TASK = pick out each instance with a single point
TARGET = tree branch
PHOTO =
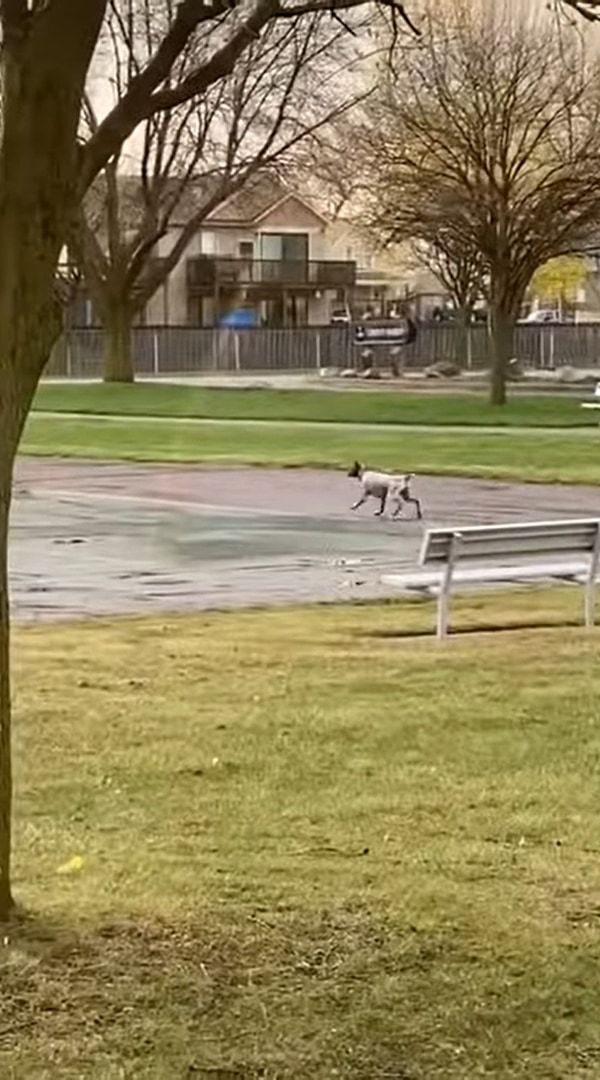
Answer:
(590, 9)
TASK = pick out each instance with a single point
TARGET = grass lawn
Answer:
(290, 844)
(526, 456)
(350, 406)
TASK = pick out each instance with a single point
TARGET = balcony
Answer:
(208, 273)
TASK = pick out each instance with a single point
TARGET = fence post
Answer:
(318, 350)
(552, 347)
(469, 348)
(236, 350)
(69, 356)
(155, 354)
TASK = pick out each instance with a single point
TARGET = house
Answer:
(264, 256)
(264, 253)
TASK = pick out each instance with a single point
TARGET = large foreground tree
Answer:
(487, 135)
(45, 170)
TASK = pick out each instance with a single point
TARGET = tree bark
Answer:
(503, 333)
(118, 354)
(44, 61)
(461, 348)
(28, 337)
(6, 900)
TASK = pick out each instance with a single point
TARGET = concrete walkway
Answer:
(90, 539)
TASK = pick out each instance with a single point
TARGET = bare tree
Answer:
(45, 171)
(489, 135)
(332, 163)
(462, 271)
(192, 157)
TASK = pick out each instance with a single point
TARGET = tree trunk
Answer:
(118, 354)
(26, 345)
(45, 58)
(461, 347)
(6, 901)
(503, 333)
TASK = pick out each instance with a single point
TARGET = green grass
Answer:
(511, 455)
(308, 848)
(350, 406)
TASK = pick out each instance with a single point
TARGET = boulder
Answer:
(444, 369)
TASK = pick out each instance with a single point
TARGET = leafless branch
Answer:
(590, 9)
(194, 155)
(486, 141)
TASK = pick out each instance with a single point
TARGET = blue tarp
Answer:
(239, 319)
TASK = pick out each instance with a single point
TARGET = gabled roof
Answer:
(255, 201)
(262, 195)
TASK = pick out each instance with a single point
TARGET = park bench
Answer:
(593, 404)
(561, 550)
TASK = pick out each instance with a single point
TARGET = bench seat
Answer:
(429, 581)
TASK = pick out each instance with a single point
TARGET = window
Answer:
(246, 248)
(284, 247)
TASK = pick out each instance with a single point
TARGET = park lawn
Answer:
(531, 456)
(345, 406)
(294, 844)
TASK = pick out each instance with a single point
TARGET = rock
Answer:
(568, 374)
(445, 369)
(370, 373)
(349, 373)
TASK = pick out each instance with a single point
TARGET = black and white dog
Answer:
(384, 486)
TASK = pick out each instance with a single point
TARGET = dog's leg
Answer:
(397, 510)
(379, 512)
(408, 498)
(359, 502)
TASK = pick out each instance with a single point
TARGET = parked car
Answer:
(546, 315)
(340, 316)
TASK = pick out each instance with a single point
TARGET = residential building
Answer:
(264, 252)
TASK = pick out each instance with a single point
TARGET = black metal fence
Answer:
(181, 350)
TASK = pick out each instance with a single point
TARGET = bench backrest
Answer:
(536, 538)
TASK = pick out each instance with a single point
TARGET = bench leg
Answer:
(444, 597)
(590, 586)
(442, 614)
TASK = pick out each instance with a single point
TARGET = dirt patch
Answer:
(214, 999)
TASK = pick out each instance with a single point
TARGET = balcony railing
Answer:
(207, 273)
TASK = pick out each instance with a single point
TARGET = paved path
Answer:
(593, 427)
(90, 538)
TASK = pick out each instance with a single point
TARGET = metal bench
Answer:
(593, 404)
(561, 550)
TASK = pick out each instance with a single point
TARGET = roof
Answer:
(255, 201)
(251, 202)
(262, 194)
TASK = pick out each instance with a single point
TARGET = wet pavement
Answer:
(93, 539)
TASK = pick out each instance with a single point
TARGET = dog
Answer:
(384, 486)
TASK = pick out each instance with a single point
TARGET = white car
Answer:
(340, 315)
(542, 315)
